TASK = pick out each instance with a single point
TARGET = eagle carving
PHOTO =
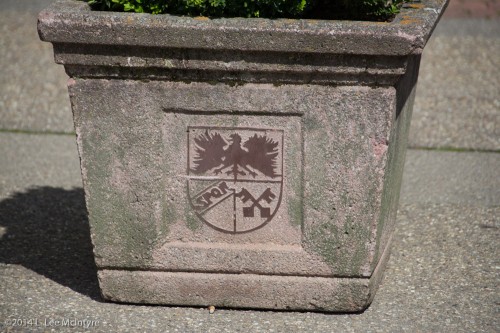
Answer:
(232, 156)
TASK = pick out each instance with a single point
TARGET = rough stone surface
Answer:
(241, 50)
(272, 167)
(243, 290)
(143, 185)
(69, 21)
(145, 171)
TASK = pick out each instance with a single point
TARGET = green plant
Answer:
(321, 9)
(370, 10)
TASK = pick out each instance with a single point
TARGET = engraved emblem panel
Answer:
(235, 176)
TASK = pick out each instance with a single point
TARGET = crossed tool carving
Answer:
(245, 196)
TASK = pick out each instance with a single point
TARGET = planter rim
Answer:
(72, 21)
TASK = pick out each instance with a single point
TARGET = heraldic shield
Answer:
(235, 176)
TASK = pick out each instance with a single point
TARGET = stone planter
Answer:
(240, 162)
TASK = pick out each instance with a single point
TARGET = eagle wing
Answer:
(262, 154)
(209, 151)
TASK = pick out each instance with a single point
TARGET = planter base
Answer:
(249, 291)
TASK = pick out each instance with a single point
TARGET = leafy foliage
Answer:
(369, 10)
(321, 9)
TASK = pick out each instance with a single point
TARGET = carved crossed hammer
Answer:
(245, 196)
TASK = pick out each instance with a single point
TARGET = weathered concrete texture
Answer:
(32, 90)
(457, 102)
(69, 21)
(143, 183)
(249, 50)
(396, 158)
(442, 275)
(233, 66)
(243, 290)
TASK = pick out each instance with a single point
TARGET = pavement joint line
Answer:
(454, 149)
(438, 149)
(34, 132)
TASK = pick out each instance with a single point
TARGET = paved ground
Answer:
(473, 8)
(444, 273)
(458, 93)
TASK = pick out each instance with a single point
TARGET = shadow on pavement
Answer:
(46, 230)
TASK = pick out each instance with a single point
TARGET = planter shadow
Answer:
(46, 230)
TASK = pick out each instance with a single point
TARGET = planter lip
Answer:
(72, 21)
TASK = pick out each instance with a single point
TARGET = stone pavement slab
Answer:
(38, 160)
(454, 178)
(473, 8)
(458, 93)
(443, 275)
(33, 94)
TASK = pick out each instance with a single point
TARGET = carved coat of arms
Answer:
(235, 176)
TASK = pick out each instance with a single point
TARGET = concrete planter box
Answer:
(240, 162)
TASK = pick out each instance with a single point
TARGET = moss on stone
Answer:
(295, 211)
